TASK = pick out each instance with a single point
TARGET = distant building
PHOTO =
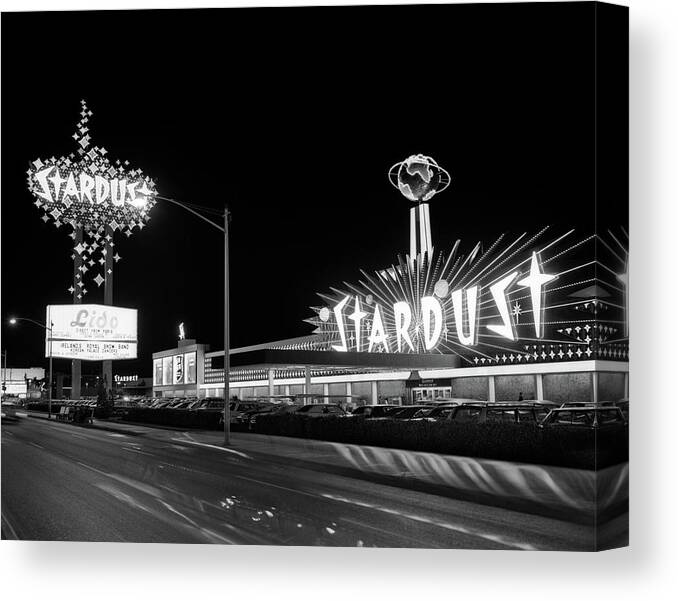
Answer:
(18, 381)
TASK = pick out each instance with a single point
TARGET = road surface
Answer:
(62, 482)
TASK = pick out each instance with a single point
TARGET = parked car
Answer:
(184, 404)
(374, 411)
(569, 404)
(210, 404)
(410, 411)
(238, 408)
(590, 416)
(249, 418)
(481, 413)
(439, 413)
(321, 410)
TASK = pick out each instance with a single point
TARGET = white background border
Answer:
(648, 570)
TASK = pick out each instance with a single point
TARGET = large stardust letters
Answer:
(132, 193)
(378, 334)
(86, 186)
(472, 295)
(431, 306)
(57, 180)
(403, 319)
(114, 189)
(71, 188)
(122, 187)
(535, 282)
(41, 178)
(101, 189)
(498, 291)
(357, 317)
(338, 315)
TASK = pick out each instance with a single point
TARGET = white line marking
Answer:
(133, 450)
(115, 435)
(205, 531)
(35, 444)
(212, 446)
(7, 527)
(448, 526)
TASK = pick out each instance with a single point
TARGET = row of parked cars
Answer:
(244, 413)
(543, 413)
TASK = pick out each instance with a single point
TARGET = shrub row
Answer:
(207, 420)
(576, 448)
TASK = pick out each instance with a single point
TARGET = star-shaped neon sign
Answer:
(535, 282)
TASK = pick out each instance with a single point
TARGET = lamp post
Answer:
(227, 338)
(47, 328)
(4, 375)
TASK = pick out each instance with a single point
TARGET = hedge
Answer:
(582, 449)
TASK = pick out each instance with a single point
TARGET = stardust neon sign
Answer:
(90, 191)
(67, 187)
(386, 314)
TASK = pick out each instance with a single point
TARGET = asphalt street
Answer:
(61, 482)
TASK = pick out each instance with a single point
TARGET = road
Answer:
(61, 482)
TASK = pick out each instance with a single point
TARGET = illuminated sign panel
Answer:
(91, 332)
(167, 365)
(175, 369)
(178, 371)
(532, 298)
(190, 368)
(157, 372)
(125, 379)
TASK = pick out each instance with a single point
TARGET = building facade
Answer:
(539, 316)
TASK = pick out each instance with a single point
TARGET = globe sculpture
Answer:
(419, 178)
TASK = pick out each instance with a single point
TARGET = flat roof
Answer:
(284, 358)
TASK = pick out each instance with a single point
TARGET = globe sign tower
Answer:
(419, 178)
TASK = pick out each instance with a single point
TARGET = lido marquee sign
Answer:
(508, 304)
(91, 332)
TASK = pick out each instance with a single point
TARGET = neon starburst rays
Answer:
(506, 304)
(88, 190)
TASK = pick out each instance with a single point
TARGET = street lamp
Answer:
(227, 339)
(47, 328)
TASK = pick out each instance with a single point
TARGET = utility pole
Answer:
(4, 375)
(227, 337)
(49, 412)
(76, 364)
(227, 334)
(107, 367)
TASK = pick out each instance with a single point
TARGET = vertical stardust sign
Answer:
(91, 332)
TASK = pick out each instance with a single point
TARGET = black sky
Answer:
(292, 117)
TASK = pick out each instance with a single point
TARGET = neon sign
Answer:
(531, 298)
(90, 191)
(404, 327)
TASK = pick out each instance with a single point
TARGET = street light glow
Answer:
(12, 321)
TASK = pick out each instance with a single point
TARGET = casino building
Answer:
(542, 315)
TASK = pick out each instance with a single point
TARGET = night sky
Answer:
(293, 117)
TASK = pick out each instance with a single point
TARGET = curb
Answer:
(88, 426)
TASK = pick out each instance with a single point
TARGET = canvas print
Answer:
(322, 276)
